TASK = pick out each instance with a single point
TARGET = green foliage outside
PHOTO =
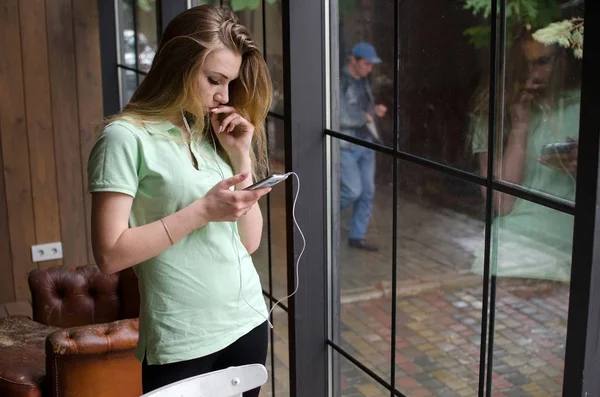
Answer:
(238, 5)
(536, 15)
(567, 34)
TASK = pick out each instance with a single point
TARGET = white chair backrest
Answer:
(230, 382)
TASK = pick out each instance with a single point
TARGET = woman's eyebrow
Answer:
(223, 75)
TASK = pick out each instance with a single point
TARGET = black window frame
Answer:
(582, 361)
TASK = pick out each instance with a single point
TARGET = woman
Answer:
(534, 242)
(167, 176)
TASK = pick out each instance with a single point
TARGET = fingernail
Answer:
(221, 129)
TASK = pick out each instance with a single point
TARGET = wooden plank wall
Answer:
(51, 96)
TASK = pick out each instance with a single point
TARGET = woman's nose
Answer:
(222, 97)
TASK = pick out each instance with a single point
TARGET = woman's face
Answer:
(540, 61)
(220, 68)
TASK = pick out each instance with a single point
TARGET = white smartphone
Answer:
(269, 181)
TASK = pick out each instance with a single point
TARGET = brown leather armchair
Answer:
(94, 353)
(91, 324)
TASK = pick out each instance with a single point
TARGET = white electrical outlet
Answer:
(46, 252)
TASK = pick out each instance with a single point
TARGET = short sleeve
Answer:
(113, 164)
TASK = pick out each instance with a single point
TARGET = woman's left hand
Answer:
(565, 163)
(234, 131)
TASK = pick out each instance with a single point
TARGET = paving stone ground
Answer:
(439, 305)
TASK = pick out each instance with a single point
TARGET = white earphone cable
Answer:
(234, 234)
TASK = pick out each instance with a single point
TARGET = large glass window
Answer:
(443, 292)
(137, 31)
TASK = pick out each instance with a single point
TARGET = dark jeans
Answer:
(249, 349)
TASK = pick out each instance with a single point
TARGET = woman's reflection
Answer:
(537, 149)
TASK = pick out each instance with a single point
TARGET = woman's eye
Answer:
(213, 81)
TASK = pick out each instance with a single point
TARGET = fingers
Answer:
(223, 109)
(231, 122)
(526, 98)
(234, 180)
(260, 192)
(560, 162)
(246, 199)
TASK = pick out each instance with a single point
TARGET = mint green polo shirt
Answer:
(534, 241)
(203, 293)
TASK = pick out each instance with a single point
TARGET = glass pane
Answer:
(276, 220)
(439, 297)
(363, 259)
(129, 83)
(440, 63)
(539, 127)
(276, 143)
(250, 13)
(147, 30)
(126, 33)
(355, 382)
(195, 3)
(366, 71)
(532, 264)
(280, 345)
(274, 53)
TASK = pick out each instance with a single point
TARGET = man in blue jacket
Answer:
(357, 119)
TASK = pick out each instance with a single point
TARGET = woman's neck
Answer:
(179, 123)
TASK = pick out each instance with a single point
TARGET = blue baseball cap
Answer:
(366, 51)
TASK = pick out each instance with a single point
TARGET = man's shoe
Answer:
(361, 244)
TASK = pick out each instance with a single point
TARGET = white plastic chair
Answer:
(230, 382)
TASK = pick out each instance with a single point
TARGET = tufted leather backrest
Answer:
(69, 297)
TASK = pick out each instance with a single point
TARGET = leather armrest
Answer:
(96, 360)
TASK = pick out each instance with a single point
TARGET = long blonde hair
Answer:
(514, 81)
(516, 75)
(171, 84)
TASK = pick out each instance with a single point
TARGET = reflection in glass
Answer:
(537, 149)
(537, 145)
(531, 312)
(439, 299)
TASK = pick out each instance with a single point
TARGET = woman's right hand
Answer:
(221, 204)
(519, 112)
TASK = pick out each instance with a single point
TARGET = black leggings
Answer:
(249, 349)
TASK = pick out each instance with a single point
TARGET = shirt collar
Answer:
(162, 127)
